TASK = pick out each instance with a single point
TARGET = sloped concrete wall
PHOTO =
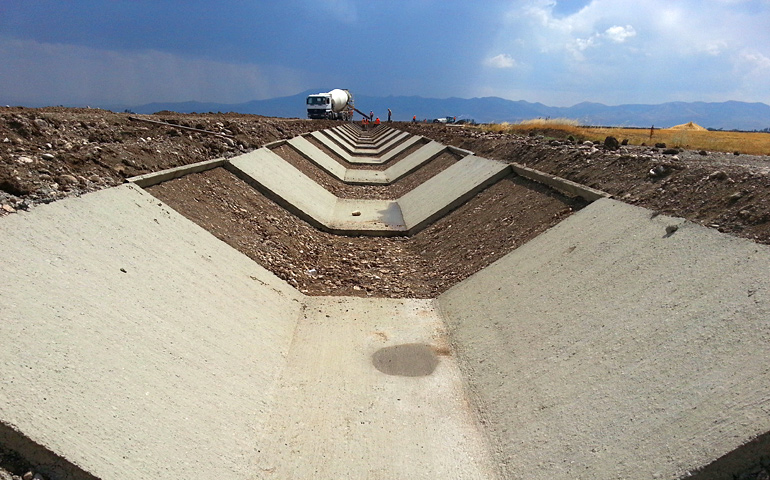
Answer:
(134, 343)
(449, 189)
(611, 347)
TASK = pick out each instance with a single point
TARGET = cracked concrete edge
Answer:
(459, 151)
(150, 179)
(561, 184)
(275, 144)
(45, 461)
(741, 459)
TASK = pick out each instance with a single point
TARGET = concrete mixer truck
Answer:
(334, 105)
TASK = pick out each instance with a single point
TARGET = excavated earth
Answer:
(52, 153)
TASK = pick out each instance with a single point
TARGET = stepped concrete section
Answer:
(295, 191)
(359, 149)
(369, 136)
(398, 170)
(358, 139)
(318, 157)
(292, 189)
(403, 167)
(346, 156)
(133, 343)
(609, 347)
(351, 139)
(357, 146)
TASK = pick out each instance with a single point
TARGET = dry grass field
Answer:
(688, 136)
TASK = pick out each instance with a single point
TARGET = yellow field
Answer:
(751, 143)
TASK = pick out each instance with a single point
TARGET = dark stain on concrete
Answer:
(406, 360)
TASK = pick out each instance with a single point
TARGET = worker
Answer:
(414, 119)
(377, 122)
(363, 123)
(389, 114)
(371, 115)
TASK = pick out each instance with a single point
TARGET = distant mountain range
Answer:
(722, 115)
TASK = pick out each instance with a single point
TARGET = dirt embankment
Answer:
(728, 192)
(51, 153)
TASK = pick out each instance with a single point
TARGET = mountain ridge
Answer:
(731, 114)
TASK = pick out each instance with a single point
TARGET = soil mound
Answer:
(689, 126)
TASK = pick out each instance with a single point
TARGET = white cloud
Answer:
(581, 44)
(343, 11)
(620, 51)
(756, 60)
(620, 34)
(36, 72)
(500, 61)
(715, 48)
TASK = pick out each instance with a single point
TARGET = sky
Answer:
(560, 53)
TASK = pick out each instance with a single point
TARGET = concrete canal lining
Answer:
(617, 344)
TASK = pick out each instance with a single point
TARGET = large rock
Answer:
(611, 143)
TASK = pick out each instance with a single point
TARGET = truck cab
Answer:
(319, 106)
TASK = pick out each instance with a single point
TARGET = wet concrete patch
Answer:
(406, 360)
